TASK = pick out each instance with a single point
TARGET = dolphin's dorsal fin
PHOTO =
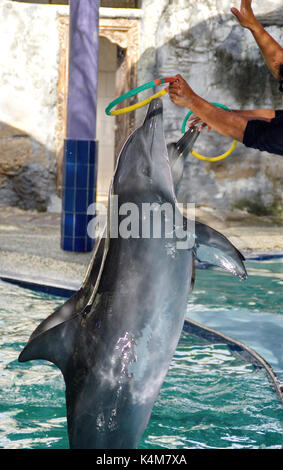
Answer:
(214, 248)
(55, 345)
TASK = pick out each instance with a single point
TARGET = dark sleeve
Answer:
(265, 136)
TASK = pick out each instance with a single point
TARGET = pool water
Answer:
(250, 311)
(211, 398)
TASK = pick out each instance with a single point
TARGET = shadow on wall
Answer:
(222, 63)
(27, 173)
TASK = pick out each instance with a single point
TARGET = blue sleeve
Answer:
(265, 136)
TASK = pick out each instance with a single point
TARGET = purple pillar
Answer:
(83, 69)
(80, 151)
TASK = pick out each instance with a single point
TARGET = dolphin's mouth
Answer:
(154, 111)
(143, 164)
(153, 122)
(154, 132)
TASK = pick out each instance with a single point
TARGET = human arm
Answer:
(261, 134)
(271, 50)
(226, 123)
(259, 114)
(262, 114)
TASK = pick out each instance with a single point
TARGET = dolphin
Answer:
(115, 353)
(177, 153)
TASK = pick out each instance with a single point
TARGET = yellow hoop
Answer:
(136, 91)
(140, 104)
(133, 107)
(215, 159)
(201, 157)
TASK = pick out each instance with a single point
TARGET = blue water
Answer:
(250, 311)
(210, 398)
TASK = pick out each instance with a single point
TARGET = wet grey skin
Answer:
(115, 353)
(177, 153)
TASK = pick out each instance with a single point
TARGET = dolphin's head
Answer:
(143, 171)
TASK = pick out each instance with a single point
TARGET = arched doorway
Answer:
(105, 125)
(119, 42)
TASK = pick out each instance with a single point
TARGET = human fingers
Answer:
(194, 122)
(238, 15)
(204, 125)
(175, 97)
(174, 87)
(246, 3)
(195, 119)
(245, 16)
(175, 78)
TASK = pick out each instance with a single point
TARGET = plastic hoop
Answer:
(135, 91)
(201, 157)
(216, 159)
(161, 93)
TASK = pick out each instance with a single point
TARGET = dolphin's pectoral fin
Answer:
(214, 248)
(54, 345)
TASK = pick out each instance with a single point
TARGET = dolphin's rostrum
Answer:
(114, 353)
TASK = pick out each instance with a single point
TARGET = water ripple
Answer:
(210, 397)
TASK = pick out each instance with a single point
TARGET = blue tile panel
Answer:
(78, 192)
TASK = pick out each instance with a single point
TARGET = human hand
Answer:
(245, 16)
(195, 121)
(180, 92)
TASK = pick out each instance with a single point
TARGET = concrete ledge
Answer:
(126, 13)
(48, 286)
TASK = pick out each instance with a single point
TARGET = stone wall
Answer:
(29, 40)
(33, 96)
(200, 40)
(222, 63)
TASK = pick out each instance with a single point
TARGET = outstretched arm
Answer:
(271, 50)
(259, 114)
(262, 114)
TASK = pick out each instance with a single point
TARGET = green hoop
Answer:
(191, 112)
(202, 157)
(134, 92)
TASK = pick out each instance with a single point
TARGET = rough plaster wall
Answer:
(222, 63)
(28, 102)
(201, 40)
(105, 126)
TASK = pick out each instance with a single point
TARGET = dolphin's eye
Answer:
(146, 171)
